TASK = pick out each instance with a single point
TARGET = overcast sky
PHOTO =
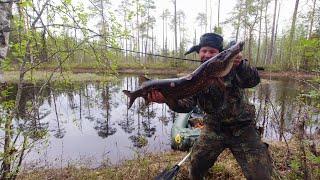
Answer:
(193, 7)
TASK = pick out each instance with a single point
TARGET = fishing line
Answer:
(151, 54)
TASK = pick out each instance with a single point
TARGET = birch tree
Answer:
(5, 18)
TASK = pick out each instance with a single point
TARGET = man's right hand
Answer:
(156, 96)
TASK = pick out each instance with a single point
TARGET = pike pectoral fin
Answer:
(131, 96)
(143, 79)
(220, 84)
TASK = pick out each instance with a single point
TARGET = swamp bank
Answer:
(97, 74)
(286, 164)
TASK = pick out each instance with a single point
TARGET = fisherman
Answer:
(229, 117)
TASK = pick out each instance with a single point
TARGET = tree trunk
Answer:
(195, 41)
(275, 35)
(250, 46)
(104, 38)
(312, 18)
(266, 35)
(210, 26)
(238, 27)
(126, 40)
(180, 39)
(292, 31)
(163, 31)
(271, 45)
(218, 13)
(137, 26)
(207, 15)
(246, 28)
(302, 152)
(259, 38)
(147, 38)
(175, 28)
(8, 146)
(5, 17)
(166, 40)
(6, 164)
(152, 43)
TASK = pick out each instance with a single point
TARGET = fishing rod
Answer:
(151, 54)
(170, 57)
(171, 173)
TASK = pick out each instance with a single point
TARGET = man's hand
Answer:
(237, 60)
(156, 96)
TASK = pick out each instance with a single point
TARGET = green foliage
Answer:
(295, 164)
(310, 54)
(312, 96)
(68, 1)
(26, 3)
(7, 103)
(217, 30)
(313, 159)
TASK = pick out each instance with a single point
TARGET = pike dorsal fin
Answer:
(143, 79)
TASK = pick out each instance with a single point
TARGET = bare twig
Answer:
(70, 26)
(39, 13)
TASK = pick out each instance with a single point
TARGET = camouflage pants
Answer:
(245, 144)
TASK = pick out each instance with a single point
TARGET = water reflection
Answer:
(92, 119)
(278, 109)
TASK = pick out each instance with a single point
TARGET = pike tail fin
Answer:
(131, 96)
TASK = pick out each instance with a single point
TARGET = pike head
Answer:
(221, 64)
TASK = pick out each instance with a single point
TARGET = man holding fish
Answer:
(229, 117)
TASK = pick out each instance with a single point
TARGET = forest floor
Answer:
(286, 166)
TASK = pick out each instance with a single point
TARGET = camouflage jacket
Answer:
(228, 106)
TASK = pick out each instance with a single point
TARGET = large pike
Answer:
(208, 73)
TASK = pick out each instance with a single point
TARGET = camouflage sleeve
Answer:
(182, 105)
(247, 76)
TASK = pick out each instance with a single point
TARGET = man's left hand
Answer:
(237, 60)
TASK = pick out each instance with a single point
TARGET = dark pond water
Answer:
(90, 122)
